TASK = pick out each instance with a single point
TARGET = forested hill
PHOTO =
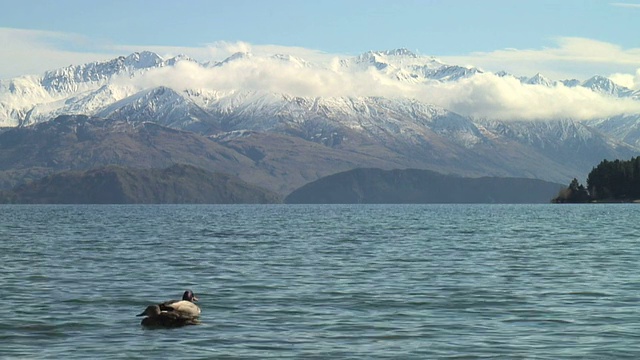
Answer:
(616, 179)
(371, 186)
(610, 181)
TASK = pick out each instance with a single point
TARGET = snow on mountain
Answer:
(598, 84)
(88, 102)
(624, 128)
(571, 82)
(538, 79)
(575, 144)
(234, 57)
(29, 99)
(386, 120)
(74, 79)
(161, 105)
(604, 85)
(89, 88)
(453, 73)
(292, 60)
(403, 65)
(176, 59)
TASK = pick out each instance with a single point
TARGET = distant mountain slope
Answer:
(375, 186)
(277, 162)
(81, 142)
(178, 184)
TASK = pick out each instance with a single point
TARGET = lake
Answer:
(323, 281)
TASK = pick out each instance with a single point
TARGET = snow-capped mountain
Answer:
(76, 89)
(92, 88)
(403, 65)
(538, 79)
(598, 84)
(603, 85)
(375, 103)
(623, 128)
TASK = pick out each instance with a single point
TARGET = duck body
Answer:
(186, 306)
(156, 318)
(183, 307)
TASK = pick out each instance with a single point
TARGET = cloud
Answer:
(481, 96)
(33, 51)
(484, 96)
(572, 57)
(626, 5)
(493, 97)
(269, 74)
(631, 81)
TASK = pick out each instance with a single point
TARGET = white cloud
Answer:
(33, 52)
(482, 96)
(265, 73)
(572, 58)
(627, 5)
(631, 81)
(493, 97)
(486, 96)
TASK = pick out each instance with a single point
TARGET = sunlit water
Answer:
(323, 282)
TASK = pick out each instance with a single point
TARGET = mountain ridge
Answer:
(20, 96)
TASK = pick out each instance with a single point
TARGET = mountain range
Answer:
(281, 121)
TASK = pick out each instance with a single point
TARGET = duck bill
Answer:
(142, 313)
(194, 298)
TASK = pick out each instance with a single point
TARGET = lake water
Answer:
(323, 282)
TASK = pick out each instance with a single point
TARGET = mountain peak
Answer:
(178, 58)
(604, 85)
(571, 82)
(539, 79)
(597, 79)
(398, 52)
(142, 60)
(401, 52)
(236, 56)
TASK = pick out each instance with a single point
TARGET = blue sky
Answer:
(560, 38)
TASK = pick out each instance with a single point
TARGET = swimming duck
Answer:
(185, 306)
(156, 318)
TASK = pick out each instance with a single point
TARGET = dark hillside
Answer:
(178, 184)
(420, 186)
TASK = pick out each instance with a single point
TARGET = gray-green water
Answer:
(323, 282)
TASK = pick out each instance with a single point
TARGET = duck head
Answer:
(189, 296)
(150, 311)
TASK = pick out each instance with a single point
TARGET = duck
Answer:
(186, 306)
(156, 318)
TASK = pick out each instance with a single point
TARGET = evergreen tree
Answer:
(615, 180)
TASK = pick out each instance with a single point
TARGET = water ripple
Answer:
(318, 282)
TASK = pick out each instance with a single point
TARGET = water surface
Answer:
(319, 282)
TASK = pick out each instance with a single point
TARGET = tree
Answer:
(574, 193)
(615, 180)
